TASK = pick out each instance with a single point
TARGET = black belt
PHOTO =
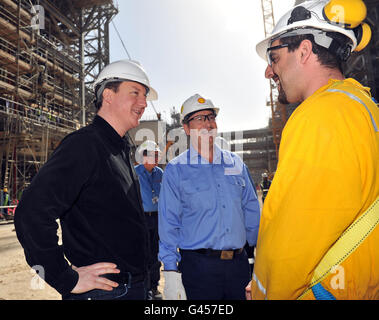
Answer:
(222, 254)
(151, 213)
(125, 277)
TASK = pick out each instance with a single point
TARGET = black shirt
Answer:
(89, 183)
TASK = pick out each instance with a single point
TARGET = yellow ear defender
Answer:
(363, 34)
(350, 14)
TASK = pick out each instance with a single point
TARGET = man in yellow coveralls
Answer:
(328, 169)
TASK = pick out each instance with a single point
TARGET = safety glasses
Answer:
(201, 118)
(268, 51)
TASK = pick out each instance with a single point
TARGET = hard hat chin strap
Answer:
(341, 49)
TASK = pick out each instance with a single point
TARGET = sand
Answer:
(17, 280)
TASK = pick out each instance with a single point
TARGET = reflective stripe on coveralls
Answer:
(361, 102)
(336, 255)
(358, 234)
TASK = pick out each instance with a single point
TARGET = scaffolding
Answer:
(50, 53)
(279, 114)
(364, 66)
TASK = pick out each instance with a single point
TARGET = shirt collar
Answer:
(219, 156)
(147, 172)
(109, 132)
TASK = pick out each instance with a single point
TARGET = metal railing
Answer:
(39, 117)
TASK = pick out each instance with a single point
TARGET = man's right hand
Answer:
(89, 277)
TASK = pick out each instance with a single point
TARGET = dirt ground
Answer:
(17, 280)
(16, 277)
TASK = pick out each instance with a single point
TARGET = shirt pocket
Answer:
(195, 186)
(236, 185)
(196, 194)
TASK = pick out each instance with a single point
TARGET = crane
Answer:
(130, 58)
(278, 110)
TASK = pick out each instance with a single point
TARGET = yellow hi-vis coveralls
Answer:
(327, 176)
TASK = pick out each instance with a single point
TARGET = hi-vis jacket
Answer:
(327, 176)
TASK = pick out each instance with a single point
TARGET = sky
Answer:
(199, 46)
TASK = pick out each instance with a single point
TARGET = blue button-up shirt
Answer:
(150, 185)
(206, 205)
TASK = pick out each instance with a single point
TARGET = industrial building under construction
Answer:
(50, 53)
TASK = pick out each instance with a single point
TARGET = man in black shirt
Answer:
(90, 185)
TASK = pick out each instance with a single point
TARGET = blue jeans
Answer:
(137, 291)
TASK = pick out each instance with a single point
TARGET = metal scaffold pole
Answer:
(49, 57)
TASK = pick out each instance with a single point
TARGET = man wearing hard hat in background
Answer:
(207, 210)
(4, 201)
(302, 250)
(265, 185)
(150, 179)
(90, 185)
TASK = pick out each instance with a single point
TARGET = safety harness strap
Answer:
(321, 293)
(350, 240)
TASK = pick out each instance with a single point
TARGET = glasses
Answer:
(201, 118)
(151, 154)
(268, 51)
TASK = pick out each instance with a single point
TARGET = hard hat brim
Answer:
(152, 95)
(262, 46)
(316, 22)
(124, 70)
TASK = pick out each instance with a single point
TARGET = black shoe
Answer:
(150, 295)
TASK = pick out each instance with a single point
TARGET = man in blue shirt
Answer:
(4, 201)
(150, 178)
(208, 210)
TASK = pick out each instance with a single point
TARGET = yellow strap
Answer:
(350, 240)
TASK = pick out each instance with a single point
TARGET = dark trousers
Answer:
(211, 278)
(136, 291)
(250, 255)
(154, 263)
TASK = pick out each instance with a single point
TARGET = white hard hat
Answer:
(124, 70)
(148, 145)
(264, 175)
(196, 103)
(320, 17)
